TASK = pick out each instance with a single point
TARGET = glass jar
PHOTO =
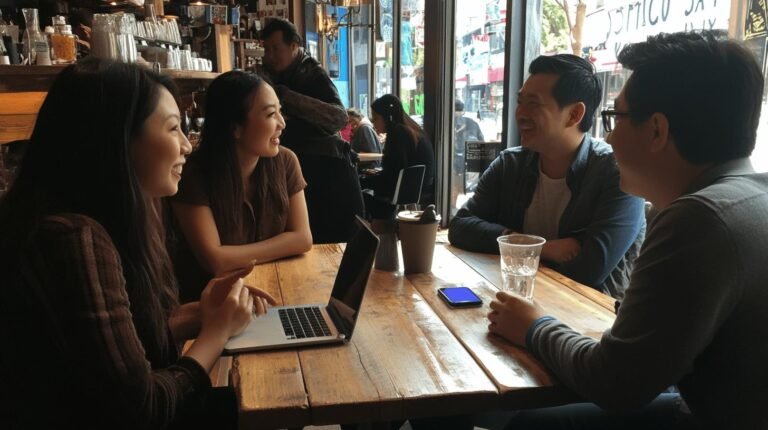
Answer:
(64, 45)
(104, 37)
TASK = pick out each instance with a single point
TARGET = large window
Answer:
(360, 48)
(412, 58)
(610, 25)
(478, 91)
(384, 70)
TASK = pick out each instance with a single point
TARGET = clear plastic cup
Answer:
(520, 255)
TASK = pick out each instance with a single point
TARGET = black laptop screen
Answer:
(352, 278)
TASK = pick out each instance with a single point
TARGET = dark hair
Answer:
(391, 110)
(709, 88)
(228, 100)
(78, 160)
(458, 106)
(289, 31)
(577, 83)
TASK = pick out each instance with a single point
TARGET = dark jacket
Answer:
(609, 224)
(313, 111)
(399, 153)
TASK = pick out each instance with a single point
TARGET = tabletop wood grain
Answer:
(488, 266)
(521, 379)
(402, 361)
(410, 355)
(270, 385)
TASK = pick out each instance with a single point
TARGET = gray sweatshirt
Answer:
(695, 313)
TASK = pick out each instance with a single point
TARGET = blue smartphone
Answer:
(459, 297)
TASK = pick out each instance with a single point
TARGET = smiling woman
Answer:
(88, 299)
(241, 198)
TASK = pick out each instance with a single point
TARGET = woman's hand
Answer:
(226, 305)
(261, 299)
(185, 321)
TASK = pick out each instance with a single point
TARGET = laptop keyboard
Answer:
(301, 323)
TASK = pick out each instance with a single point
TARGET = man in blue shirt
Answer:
(561, 184)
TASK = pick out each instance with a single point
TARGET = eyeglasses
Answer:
(609, 118)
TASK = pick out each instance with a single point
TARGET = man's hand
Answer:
(511, 316)
(561, 250)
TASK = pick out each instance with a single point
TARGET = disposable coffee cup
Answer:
(417, 240)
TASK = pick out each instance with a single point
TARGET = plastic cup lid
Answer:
(413, 216)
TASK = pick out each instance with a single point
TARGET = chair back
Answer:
(478, 156)
(408, 188)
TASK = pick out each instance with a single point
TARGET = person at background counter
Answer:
(406, 145)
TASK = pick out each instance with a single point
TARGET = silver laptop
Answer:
(301, 325)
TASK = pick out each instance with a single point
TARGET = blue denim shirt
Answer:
(609, 224)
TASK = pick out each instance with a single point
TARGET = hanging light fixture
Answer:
(330, 24)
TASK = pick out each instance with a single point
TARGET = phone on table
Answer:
(459, 297)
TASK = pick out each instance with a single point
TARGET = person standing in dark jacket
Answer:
(314, 115)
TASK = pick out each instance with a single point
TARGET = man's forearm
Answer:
(475, 234)
(328, 117)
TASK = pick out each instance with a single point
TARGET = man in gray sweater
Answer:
(694, 314)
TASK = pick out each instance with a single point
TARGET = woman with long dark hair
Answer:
(89, 316)
(406, 145)
(241, 199)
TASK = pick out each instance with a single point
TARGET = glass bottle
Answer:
(35, 42)
(64, 45)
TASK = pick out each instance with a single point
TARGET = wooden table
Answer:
(365, 157)
(411, 355)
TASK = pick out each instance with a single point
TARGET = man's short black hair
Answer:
(289, 31)
(709, 88)
(577, 83)
(458, 106)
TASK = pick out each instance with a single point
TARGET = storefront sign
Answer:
(627, 21)
(757, 15)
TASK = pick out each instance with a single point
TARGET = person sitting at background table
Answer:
(89, 316)
(364, 137)
(406, 145)
(241, 198)
(560, 184)
(694, 313)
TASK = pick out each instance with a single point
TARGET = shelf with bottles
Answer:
(17, 78)
(249, 54)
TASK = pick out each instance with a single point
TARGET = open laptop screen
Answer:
(351, 280)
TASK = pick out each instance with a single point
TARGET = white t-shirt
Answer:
(542, 218)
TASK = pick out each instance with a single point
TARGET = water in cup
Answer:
(519, 262)
(518, 275)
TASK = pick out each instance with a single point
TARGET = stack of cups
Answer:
(519, 262)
